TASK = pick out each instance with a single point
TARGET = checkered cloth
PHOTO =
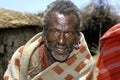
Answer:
(109, 60)
(79, 65)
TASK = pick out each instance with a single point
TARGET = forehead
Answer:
(56, 17)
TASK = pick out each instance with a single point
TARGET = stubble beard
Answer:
(55, 55)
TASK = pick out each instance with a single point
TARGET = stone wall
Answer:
(10, 40)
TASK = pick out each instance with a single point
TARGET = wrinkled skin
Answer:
(60, 36)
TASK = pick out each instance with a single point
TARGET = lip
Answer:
(60, 51)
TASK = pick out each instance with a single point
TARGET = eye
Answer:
(68, 34)
(55, 32)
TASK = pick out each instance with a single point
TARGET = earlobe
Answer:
(76, 46)
(44, 33)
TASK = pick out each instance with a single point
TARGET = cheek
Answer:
(71, 40)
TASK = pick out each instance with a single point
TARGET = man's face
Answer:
(61, 35)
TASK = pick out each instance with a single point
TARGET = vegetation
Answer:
(97, 17)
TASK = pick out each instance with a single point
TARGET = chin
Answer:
(60, 58)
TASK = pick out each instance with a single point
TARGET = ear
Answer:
(78, 39)
(43, 34)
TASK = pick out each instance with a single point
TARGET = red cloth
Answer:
(43, 57)
(108, 62)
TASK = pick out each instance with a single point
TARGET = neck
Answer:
(50, 59)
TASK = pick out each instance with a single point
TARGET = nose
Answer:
(61, 39)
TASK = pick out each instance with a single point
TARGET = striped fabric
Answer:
(109, 60)
(79, 66)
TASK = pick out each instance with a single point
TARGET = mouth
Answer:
(60, 51)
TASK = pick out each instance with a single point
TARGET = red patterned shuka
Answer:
(109, 59)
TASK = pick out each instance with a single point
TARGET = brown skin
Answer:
(61, 36)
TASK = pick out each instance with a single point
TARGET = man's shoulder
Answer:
(34, 38)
